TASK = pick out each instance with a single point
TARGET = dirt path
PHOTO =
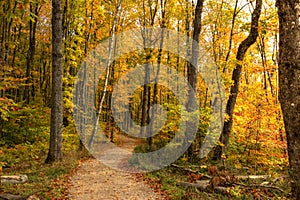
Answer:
(95, 181)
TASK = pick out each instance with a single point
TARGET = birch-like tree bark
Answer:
(110, 53)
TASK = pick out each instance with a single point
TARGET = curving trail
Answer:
(95, 181)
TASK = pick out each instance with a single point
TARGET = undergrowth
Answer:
(167, 180)
(26, 155)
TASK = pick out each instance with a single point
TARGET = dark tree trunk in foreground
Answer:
(289, 83)
(243, 47)
(55, 149)
(193, 65)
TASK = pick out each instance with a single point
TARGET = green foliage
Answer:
(26, 125)
(6, 107)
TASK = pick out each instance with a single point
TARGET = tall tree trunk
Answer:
(243, 47)
(6, 38)
(155, 89)
(193, 65)
(146, 88)
(55, 150)
(31, 50)
(110, 119)
(83, 85)
(145, 97)
(289, 83)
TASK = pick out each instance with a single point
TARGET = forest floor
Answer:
(95, 181)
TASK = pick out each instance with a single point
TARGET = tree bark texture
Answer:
(193, 65)
(55, 150)
(289, 83)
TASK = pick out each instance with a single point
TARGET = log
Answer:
(15, 179)
(254, 177)
(201, 185)
(190, 170)
(221, 190)
(7, 196)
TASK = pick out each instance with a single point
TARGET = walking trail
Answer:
(95, 181)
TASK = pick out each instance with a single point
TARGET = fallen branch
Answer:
(261, 186)
(6, 196)
(279, 178)
(16, 179)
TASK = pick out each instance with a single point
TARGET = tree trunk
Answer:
(111, 43)
(243, 47)
(235, 13)
(159, 58)
(55, 150)
(193, 65)
(146, 88)
(289, 83)
(31, 50)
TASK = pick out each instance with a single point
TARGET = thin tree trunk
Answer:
(146, 92)
(235, 12)
(6, 39)
(243, 47)
(145, 99)
(82, 123)
(163, 12)
(111, 42)
(109, 98)
(31, 50)
(262, 51)
(188, 34)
